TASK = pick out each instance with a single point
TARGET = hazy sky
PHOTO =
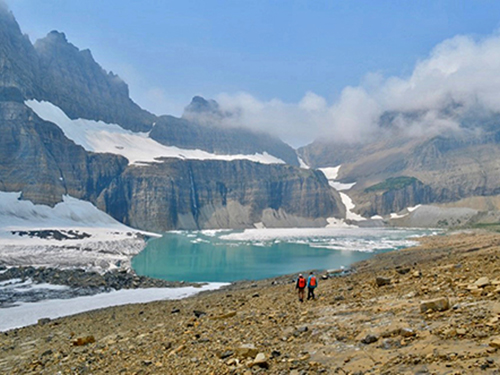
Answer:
(297, 66)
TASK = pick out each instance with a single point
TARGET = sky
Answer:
(299, 69)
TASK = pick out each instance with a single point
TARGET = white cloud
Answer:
(459, 75)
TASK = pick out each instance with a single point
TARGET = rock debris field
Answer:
(432, 309)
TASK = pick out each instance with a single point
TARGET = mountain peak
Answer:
(57, 36)
(200, 105)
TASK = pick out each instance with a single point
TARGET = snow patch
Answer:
(138, 148)
(331, 174)
(349, 205)
(302, 163)
(29, 313)
(411, 209)
(98, 241)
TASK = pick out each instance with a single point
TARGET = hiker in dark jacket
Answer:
(301, 286)
(312, 283)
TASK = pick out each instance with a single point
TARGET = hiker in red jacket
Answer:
(312, 283)
(301, 286)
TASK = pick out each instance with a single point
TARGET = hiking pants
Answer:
(310, 293)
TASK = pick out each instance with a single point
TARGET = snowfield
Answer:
(98, 136)
(29, 313)
(94, 239)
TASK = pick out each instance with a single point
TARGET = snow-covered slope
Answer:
(31, 235)
(331, 174)
(98, 136)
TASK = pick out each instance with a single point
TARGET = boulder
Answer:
(482, 282)
(369, 339)
(246, 351)
(84, 341)
(381, 281)
(495, 343)
(261, 361)
(437, 304)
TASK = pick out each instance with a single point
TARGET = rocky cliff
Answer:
(194, 194)
(37, 158)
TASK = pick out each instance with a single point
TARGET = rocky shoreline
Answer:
(432, 309)
(79, 282)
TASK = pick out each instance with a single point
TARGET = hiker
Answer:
(312, 283)
(301, 286)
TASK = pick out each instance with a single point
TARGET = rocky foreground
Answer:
(433, 309)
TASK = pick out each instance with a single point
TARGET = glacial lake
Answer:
(252, 254)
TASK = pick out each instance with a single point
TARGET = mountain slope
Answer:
(67, 127)
(448, 167)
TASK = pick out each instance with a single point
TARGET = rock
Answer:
(369, 339)
(226, 354)
(47, 352)
(407, 332)
(461, 331)
(275, 353)
(381, 281)
(482, 282)
(417, 274)
(246, 351)
(261, 361)
(225, 316)
(177, 350)
(199, 313)
(43, 321)
(437, 304)
(403, 270)
(84, 341)
(495, 343)
(175, 311)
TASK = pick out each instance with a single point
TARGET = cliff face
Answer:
(37, 159)
(451, 167)
(384, 199)
(73, 81)
(179, 194)
(19, 65)
(184, 133)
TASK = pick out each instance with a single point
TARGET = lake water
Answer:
(225, 256)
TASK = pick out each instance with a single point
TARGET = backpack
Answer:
(302, 282)
(312, 282)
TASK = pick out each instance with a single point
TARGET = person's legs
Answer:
(310, 293)
(301, 294)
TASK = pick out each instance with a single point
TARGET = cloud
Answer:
(460, 75)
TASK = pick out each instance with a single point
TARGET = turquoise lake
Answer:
(226, 256)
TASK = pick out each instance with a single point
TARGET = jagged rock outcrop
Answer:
(74, 82)
(37, 159)
(195, 194)
(19, 65)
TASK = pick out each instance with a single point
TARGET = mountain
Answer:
(202, 127)
(68, 127)
(452, 168)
